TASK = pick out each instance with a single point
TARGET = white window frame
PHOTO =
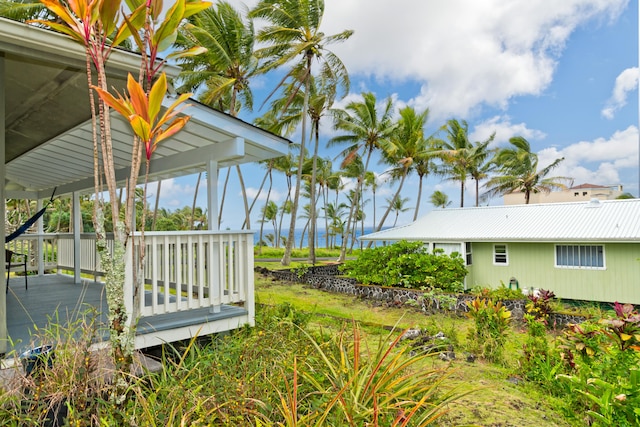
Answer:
(468, 256)
(577, 256)
(506, 254)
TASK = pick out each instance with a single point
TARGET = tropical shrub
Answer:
(501, 293)
(409, 265)
(491, 326)
(539, 305)
(538, 363)
(603, 359)
(353, 385)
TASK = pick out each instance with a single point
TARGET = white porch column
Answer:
(3, 297)
(40, 231)
(212, 194)
(77, 221)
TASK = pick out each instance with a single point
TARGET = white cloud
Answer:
(601, 161)
(504, 130)
(492, 52)
(626, 82)
(275, 196)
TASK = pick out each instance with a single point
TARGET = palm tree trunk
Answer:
(264, 179)
(312, 200)
(155, 208)
(345, 235)
(415, 214)
(286, 258)
(264, 213)
(461, 193)
(224, 195)
(386, 214)
(193, 205)
(247, 220)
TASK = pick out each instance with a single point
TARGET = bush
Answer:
(491, 325)
(407, 264)
(501, 293)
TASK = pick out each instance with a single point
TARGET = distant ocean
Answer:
(320, 239)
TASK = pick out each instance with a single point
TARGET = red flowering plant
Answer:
(624, 329)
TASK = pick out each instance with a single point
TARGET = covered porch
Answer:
(196, 282)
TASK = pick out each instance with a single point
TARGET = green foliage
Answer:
(302, 270)
(350, 384)
(539, 305)
(409, 265)
(436, 300)
(491, 325)
(624, 329)
(602, 367)
(538, 363)
(501, 293)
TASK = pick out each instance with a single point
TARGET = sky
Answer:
(562, 74)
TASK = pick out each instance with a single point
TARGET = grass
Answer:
(302, 347)
(498, 397)
(277, 253)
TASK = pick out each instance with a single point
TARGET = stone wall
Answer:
(328, 278)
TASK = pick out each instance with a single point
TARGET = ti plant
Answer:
(624, 329)
(539, 305)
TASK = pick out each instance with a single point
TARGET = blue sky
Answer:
(562, 74)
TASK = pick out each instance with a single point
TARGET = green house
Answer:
(581, 251)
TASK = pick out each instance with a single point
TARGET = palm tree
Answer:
(457, 153)
(324, 175)
(397, 205)
(407, 144)
(24, 10)
(293, 29)
(518, 168)
(269, 214)
(224, 70)
(440, 199)
(365, 130)
(371, 181)
(480, 165)
(353, 169)
(335, 213)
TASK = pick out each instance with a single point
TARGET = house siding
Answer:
(533, 265)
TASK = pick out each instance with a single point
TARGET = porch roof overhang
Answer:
(48, 131)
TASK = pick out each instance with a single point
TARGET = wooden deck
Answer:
(55, 299)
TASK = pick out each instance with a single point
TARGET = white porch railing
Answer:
(39, 248)
(190, 270)
(183, 270)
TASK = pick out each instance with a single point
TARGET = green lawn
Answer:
(498, 399)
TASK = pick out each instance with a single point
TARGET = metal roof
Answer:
(596, 220)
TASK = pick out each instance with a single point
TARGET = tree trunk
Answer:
(286, 258)
(247, 218)
(193, 205)
(224, 195)
(312, 200)
(155, 209)
(415, 214)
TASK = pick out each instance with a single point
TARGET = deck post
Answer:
(40, 231)
(3, 297)
(212, 224)
(212, 194)
(77, 221)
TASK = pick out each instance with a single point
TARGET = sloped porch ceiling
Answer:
(66, 161)
(48, 129)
